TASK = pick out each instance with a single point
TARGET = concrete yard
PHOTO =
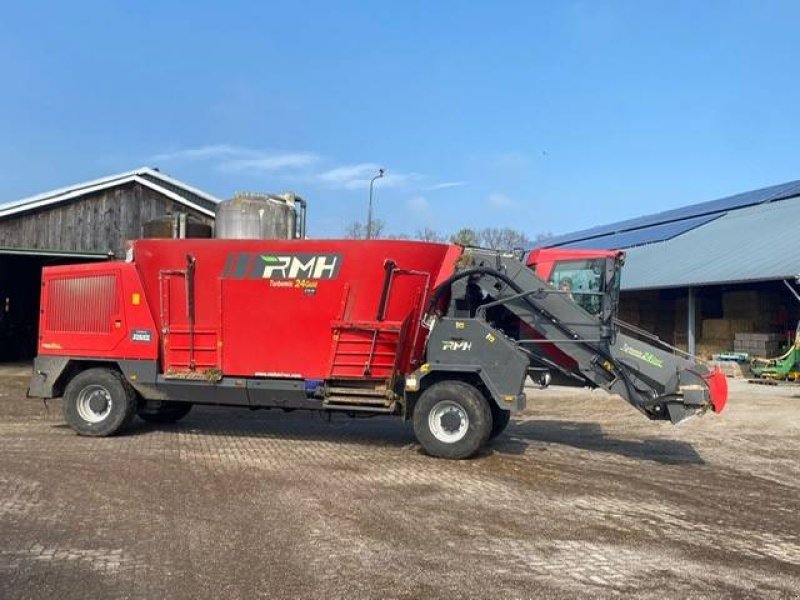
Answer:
(582, 496)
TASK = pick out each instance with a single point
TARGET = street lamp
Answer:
(369, 212)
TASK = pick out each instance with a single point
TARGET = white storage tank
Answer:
(252, 216)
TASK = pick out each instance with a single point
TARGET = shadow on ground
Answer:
(590, 436)
(298, 425)
(393, 432)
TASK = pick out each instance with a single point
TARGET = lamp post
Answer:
(369, 211)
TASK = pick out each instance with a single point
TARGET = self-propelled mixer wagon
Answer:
(438, 334)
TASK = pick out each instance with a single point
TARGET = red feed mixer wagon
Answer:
(442, 335)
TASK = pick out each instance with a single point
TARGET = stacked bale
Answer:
(747, 316)
(764, 345)
(749, 305)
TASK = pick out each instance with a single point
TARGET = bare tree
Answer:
(358, 230)
(513, 240)
(505, 239)
(497, 238)
(491, 237)
(429, 235)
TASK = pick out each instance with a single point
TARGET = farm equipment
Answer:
(784, 367)
(440, 335)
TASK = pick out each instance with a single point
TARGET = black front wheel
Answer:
(452, 419)
(99, 402)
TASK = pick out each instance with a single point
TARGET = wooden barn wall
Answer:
(99, 222)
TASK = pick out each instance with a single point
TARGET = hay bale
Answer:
(717, 329)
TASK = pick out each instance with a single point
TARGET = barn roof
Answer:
(146, 176)
(747, 237)
(668, 224)
(754, 243)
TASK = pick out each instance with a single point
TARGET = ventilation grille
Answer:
(82, 304)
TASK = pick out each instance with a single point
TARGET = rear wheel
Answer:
(168, 412)
(99, 402)
(452, 420)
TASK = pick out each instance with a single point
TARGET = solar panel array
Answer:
(658, 226)
(639, 237)
(719, 252)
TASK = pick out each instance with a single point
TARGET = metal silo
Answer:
(261, 216)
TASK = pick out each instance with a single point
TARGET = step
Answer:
(357, 401)
(352, 408)
(378, 392)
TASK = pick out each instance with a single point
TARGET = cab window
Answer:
(582, 281)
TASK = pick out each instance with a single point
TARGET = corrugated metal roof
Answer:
(713, 207)
(152, 178)
(757, 243)
(639, 237)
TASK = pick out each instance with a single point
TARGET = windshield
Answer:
(582, 281)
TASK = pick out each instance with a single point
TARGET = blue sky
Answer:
(539, 116)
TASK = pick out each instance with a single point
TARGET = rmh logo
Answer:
(455, 346)
(301, 266)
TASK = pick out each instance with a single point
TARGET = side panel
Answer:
(96, 310)
(469, 345)
(185, 347)
(276, 331)
(279, 305)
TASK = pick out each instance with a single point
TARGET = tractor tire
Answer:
(452, 419)
(99, 402)
(500, 420)
(168, 412)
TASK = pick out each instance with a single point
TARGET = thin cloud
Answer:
(272, 162)
(447, 184)
(210, 152)
(232, 158)
(344, 176)
(358, 176)
(229, 157)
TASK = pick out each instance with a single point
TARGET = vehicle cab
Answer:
(591, 278)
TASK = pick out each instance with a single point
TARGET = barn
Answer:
(713, 277)
(79, 223)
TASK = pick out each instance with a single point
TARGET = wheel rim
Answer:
(94, 403)
(448, 421)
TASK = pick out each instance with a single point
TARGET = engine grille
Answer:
(82, 304)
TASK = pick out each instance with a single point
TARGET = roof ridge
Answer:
(76, 190)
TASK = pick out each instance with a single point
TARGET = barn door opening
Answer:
(20, 297)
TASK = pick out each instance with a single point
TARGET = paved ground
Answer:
(582, 496)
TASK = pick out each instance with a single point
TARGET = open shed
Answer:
(710, 277)
(82, 222)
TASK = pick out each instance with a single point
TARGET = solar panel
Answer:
(768, 194)
(639, 237)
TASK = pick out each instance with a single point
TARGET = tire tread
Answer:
(472, 401)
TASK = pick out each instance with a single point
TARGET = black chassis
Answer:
(50, 374)
(459, 347)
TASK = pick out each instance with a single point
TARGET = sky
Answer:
(541, 116)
